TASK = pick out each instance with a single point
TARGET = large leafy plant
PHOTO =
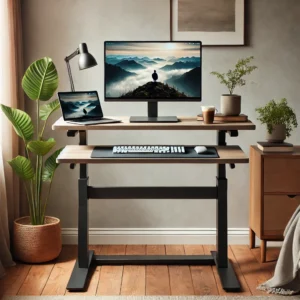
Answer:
(235, 78)
(39, 83)
(277, 113)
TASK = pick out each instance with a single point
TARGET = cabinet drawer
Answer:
(282, 175)
(278, 210)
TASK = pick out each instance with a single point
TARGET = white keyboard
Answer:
(148, 149)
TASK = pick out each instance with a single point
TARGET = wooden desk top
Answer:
(186, 123)
(82, 155)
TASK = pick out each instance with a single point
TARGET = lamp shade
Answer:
(86, 60)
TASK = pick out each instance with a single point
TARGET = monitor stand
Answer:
(152, 116)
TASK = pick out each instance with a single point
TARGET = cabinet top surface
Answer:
(294, 154)
(186, 123)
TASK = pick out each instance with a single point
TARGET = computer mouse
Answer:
(200, 149)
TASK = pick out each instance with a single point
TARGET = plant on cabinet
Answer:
(279, 118)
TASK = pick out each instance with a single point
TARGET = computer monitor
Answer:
(153, 72)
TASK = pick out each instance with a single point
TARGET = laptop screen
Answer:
(80, 105)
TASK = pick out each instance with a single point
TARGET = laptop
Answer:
(82, 108)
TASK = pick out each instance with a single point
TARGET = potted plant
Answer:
(279, 118)
(231, 103)
(37, 238)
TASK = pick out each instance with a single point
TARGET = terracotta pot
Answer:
(37, 243)
(230, 105)
(278, 134)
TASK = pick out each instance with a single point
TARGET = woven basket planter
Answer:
(37, 243)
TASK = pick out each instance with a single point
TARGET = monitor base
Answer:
(168, 119)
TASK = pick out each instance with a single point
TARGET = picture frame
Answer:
(223, 24)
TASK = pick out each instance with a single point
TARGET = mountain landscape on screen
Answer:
(130, 65)
(87, 106)
(155, 70)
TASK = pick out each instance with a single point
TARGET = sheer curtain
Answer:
(10, 94)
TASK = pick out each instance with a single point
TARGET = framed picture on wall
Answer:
(214, 22)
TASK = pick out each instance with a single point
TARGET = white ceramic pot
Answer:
(278, 134)
(230, 105)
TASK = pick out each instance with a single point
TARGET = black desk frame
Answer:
(86, 257)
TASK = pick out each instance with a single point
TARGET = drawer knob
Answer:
(292, 196)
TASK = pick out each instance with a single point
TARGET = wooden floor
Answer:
(52, 278)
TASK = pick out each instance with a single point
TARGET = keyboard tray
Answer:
(106, 152)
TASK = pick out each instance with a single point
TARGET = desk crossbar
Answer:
(152, 192)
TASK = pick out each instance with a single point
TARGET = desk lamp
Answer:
(86, 60)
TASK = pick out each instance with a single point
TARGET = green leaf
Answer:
(50, 166)
(21, 122)
(47, 109)
(234, 78)
(40, 80)
(41, 147)
(22, 167)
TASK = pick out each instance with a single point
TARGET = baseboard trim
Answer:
(158, 236)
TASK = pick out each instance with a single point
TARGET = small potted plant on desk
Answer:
(37, 238)
(279, 118)
(231, 103)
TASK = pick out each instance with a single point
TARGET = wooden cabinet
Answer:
(274, 194)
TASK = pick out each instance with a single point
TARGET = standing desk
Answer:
(81, 154)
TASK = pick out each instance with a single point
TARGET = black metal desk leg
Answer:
(222, 243)
(226, 272)
(83, 234)
(80, 272)
(222, 240)
(79, 275)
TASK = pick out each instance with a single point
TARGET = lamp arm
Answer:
(67, 60)
(70, 76)
(69, 57)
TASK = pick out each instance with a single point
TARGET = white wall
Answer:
(55, 27)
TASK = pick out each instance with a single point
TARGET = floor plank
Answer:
(104, 250)
(134, 277)
(13, 280)
(272, 256)
(156, 250)
(253, 272)
(203, 277)
(175, 250)
(116, 250)
(193, 250)
(157, 277)
(111, 276)
(180, 276)
(135, 249)
(60, 275)
(36, 279)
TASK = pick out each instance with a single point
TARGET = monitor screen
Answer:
(162, 71)
(80, 105)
